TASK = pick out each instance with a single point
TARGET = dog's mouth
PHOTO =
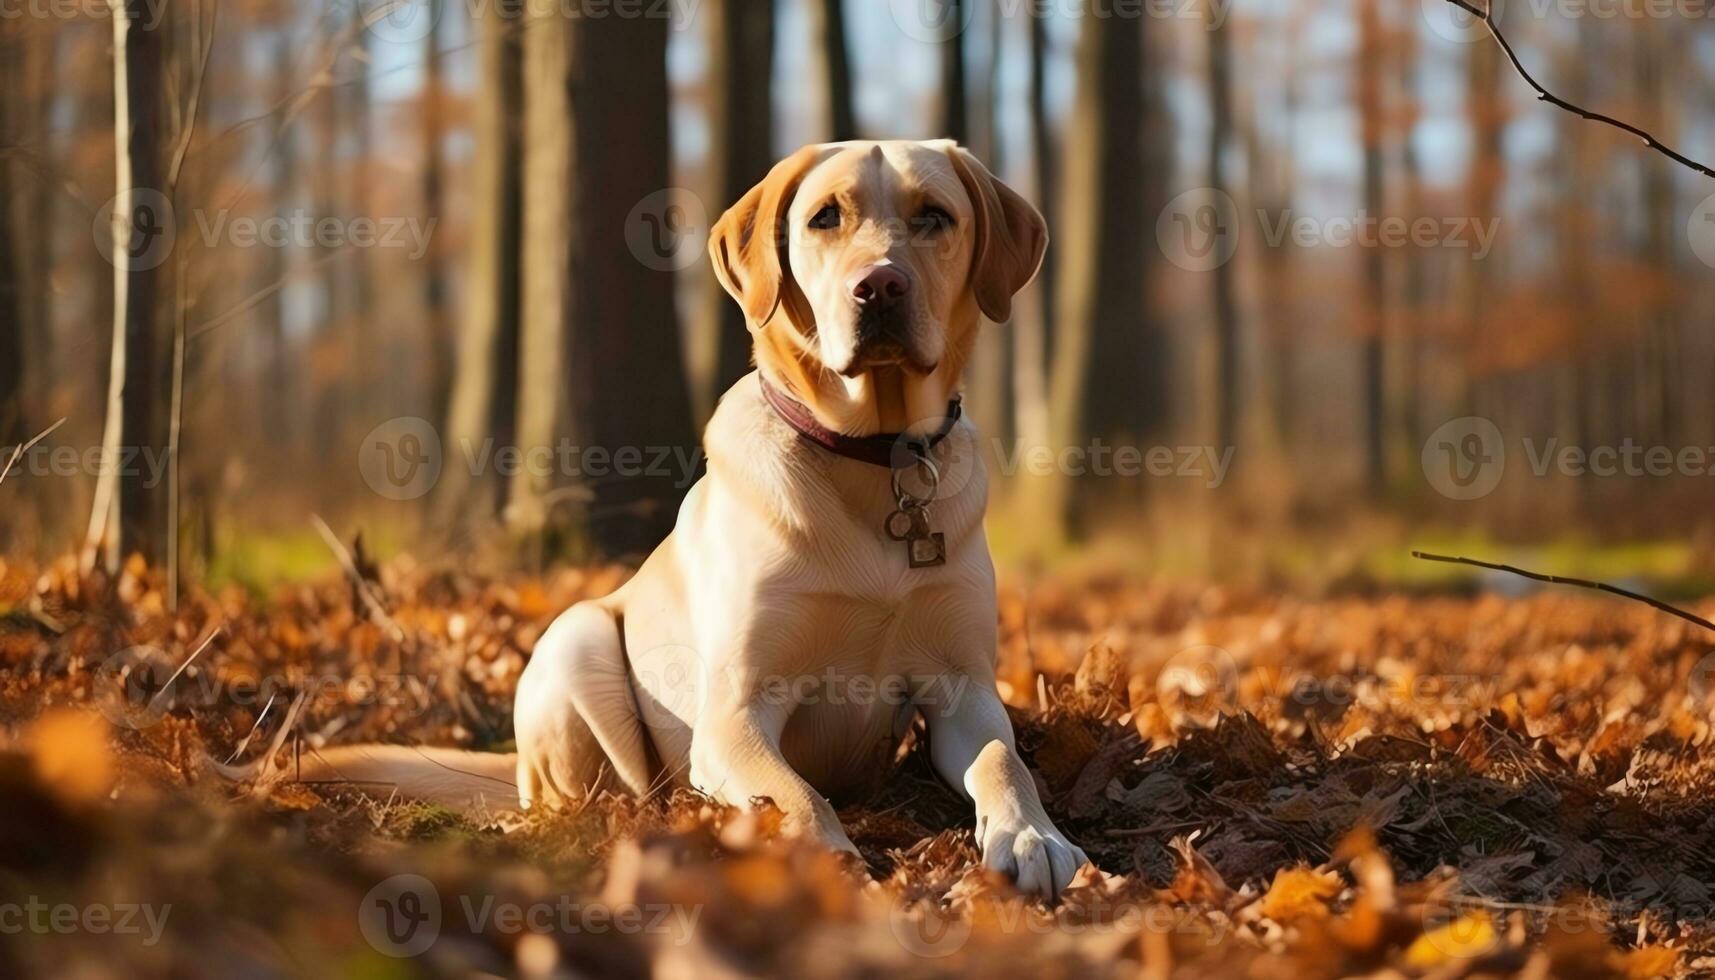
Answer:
(886, 354)
(876, 354)
(881, 344)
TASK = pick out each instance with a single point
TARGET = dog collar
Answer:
(895, 450)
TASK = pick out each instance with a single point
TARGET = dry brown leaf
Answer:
(1300, 893)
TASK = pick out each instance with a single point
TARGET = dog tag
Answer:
(928, 551)
(923, 548)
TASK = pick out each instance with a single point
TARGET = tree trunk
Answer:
(551, 128)
(1226, 320)
(1374, 354)
(626, 325)
(954, 124)
(1047, 161)
(12, 286)
(829, 31)
(1106, 364)
(127, 515)
(1270, 171)
(279, 410)
(1486, 113)
(1654, 55)
(1030, 319)
(988, 375)
(741, 71)
(369, 342)
(1408, 411)
(437, 326)
(482, 399)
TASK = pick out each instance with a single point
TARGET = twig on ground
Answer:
(197, 652)
(262, 767)
(377, 611)
(1544, 95)
(244, 742)
(1581, 583)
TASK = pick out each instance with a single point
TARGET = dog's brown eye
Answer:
(828, 217)
(934, 218)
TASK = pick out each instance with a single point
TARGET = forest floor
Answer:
(1373, 784)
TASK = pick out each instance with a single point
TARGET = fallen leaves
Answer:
(1300, 893)
(1270, 787)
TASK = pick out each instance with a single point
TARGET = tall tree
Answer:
(741, 76)
(1030, 320)
(482, 400)
(1105, 379)
(1373, 369)
(834, 66)
(12, 286)
(1407, 413)
(1655, 56)
(441, 339)
(1271, 174)
(1486, 111)
(128, 516)
(278, 414)
(988, 375)
(353, 117)
(625, 324)
(954, 123)
(1225, 328)
(552, 126)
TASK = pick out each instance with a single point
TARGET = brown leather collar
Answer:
(893, 450)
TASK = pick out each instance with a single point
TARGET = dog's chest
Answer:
(853, 668)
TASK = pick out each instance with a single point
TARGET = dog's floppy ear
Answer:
(748, 244)
(1009, 240)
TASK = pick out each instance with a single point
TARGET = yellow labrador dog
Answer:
(828, 580)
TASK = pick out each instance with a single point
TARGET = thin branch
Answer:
(1544, 95)
(1564, 580)
(19, 452)
(377, 611)
(190, 126)
(255, 299)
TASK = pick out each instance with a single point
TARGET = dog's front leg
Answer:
(971, 744)
(736, 758)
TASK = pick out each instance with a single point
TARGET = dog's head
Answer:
(864, 269)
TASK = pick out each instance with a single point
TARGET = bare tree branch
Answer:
(23, 448)
(189, 128)
(1564, 580)
(1544, 95)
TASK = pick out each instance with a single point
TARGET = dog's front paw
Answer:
(1033, 853)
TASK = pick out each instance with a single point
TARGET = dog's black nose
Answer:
(878, 285)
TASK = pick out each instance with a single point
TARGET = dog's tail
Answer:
(455, 778)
